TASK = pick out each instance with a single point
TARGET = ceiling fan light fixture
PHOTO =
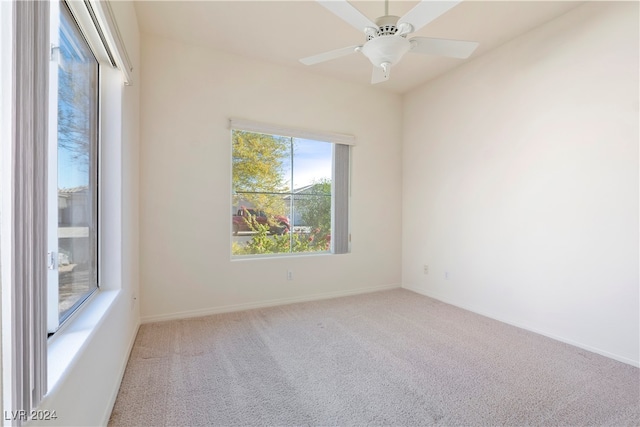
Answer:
(389, 49)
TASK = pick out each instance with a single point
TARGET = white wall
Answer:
(188, 95)
(86, 392)
(521, 180)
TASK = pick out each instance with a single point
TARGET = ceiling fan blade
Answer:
(380, 75)
(451, 48)
(326, 56)
(352, 16)
(425, 12)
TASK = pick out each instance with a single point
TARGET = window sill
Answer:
(280, 255)
(66, 344)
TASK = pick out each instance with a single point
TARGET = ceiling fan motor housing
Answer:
(386, 26)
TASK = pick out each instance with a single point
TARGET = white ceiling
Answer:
(282, 32)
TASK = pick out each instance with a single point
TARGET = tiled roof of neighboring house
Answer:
(72, 189)
(303, 189)
(306, 190)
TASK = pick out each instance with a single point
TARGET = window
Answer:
(289, 193)
(49, 153)
(73, 169)
(73, 206)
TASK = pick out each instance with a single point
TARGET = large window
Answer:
(65, 66)
(73, 169)
(288, 195)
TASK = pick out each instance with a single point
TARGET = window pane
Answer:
(312, 220)
(281, 194)
(261, 163)
(261, 177)
(312, 162)
(258, 231)
(311, 201)
(77, 167)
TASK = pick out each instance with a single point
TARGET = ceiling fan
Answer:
(386, 39)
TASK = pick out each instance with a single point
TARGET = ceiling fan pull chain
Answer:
(386, 67)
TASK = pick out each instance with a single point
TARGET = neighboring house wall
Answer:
(186, 103)
(521, 181)
(298, 195)
(73, 206)
(73, 220)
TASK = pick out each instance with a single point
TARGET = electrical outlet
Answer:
(447, 275)
(426, 269)
(289, 275)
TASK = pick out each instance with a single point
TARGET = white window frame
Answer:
(340, 182)
(53, 316)
(97, 24)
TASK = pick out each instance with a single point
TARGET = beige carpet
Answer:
(386, 358)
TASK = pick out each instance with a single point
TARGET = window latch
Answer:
(51, 261)
(54, 53)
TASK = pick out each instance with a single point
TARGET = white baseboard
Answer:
(123, 366)
(523, 326)
(262, 304)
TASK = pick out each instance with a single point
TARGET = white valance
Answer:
(114, 40)
(100, 28)
(251, 126)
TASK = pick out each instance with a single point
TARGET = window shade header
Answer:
(98, 23)
(251, 126)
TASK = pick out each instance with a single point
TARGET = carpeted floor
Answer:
(386, 358)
